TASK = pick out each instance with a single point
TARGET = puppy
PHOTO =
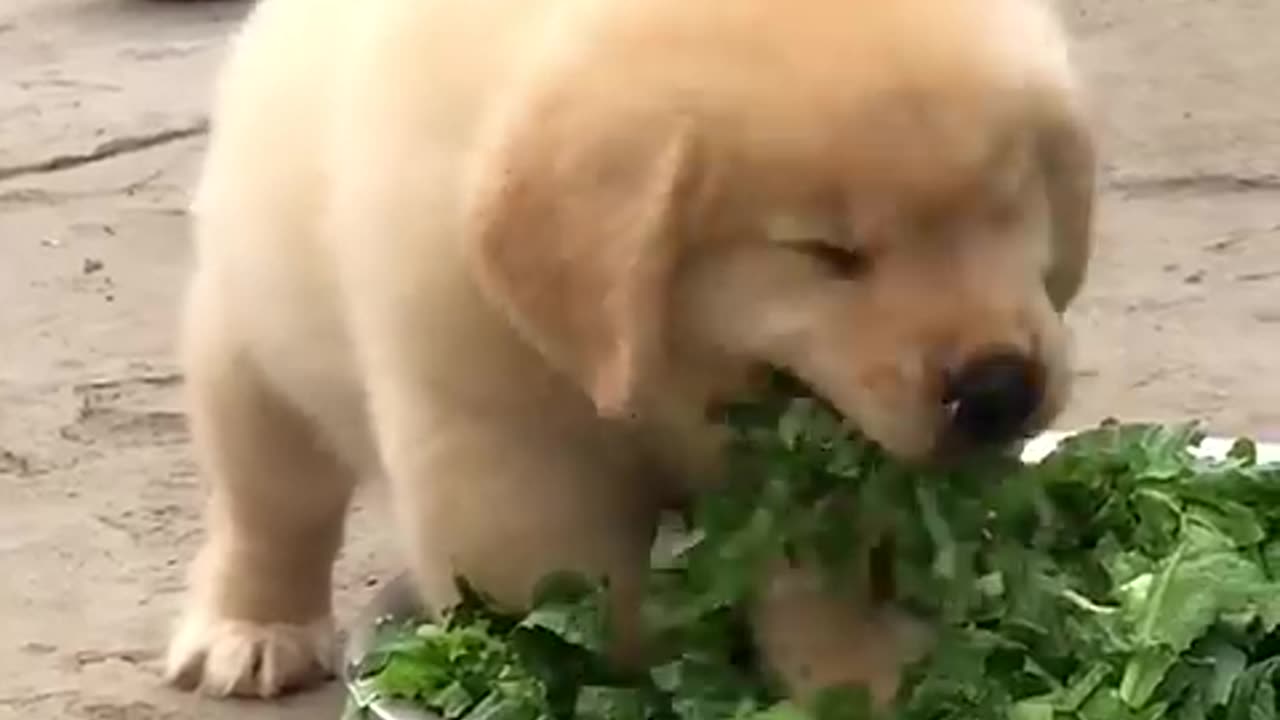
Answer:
(506, 253)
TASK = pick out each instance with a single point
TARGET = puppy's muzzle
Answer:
(993, 398)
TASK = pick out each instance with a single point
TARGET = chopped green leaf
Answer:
(1121, 578)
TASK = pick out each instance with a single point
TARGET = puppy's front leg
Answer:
(258, 621)
(504, 500)
(814, 638)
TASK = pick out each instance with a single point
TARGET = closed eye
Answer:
(842, 261)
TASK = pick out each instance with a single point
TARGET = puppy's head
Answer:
(896, 210)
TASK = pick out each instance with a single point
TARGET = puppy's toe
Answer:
(223, 658)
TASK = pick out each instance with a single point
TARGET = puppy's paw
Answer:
(222, 657)
(814, 639)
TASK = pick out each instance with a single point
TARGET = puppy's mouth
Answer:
(952, 448)
(761, 381)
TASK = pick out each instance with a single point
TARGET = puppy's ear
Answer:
(1067, 153)
(575, 221)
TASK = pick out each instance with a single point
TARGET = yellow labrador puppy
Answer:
(506, 253)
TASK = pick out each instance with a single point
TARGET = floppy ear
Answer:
(574, 225)
(1068, 160)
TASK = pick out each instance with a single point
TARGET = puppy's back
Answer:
(320, 104)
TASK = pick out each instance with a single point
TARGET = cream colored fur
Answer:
(506, 252)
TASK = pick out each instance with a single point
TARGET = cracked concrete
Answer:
(102, 104)
(1132, 185)
(105, 150)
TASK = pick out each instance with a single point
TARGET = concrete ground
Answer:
(102, 106)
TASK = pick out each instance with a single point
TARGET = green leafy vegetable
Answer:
(1121, 578)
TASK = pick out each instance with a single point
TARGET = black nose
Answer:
(993, 397)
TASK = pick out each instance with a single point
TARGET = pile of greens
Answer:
(1120, 578)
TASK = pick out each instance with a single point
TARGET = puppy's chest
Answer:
(683, 431)
(687, 455)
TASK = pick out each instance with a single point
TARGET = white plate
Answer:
(1212, 447)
